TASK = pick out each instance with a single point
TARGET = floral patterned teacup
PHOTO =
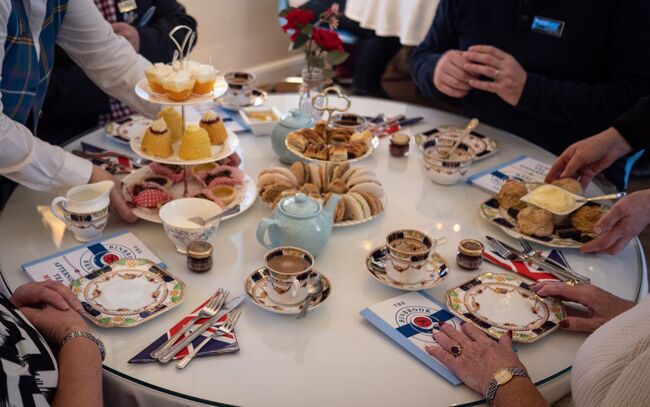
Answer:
(408, 255)
(179, 229)
(289, 270)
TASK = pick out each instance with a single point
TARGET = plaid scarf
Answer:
(118, 110)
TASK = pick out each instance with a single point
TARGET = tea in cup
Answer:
(408, 255)
(240, 88)
(289, 270)
(84, 209)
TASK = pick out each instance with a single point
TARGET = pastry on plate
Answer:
(174, 122)
(585, 218)
(339, 135)
(157, 140)
(155, 75)
(569, 184)
(212, 123)
(355, 150)
(195, 144)
(205, 76)
(511, 193)
(163, 181)
(148, 195)
(223, 195)
(220, 175)
(338, 153)
(364, 137)
(535, 222)
(178, 86)
(297, 141)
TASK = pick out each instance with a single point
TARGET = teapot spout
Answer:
(330, 207)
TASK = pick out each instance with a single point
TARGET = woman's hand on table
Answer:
(601, 305)
(508, 76)
(626, 220)
(46, 292)
(587, 158)
(450, 77)
(53, 323)
(118, 203)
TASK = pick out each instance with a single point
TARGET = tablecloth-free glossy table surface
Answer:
(333, 357)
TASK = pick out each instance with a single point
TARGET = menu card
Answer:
(409, 320)
(71, 264)
(521, 168)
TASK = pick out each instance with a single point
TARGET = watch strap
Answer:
(87, 335)
(491, 391)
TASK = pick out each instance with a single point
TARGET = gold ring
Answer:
(573, 283)
(456, 350)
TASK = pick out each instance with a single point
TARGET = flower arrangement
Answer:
(322, 46)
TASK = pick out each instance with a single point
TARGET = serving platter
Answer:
(143, 90)
(123, 132)
(374, 143)
(498, 303)
(375, 265)
(127, 293)
(484, 146)
(246, 194)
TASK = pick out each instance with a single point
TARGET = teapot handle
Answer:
(56, 204)
(273, 228)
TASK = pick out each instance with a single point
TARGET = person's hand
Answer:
(46, 292)
(54, 324)
(626, 220)
(587, 158)
(602, 306)
(481, 357)
(129, 32)
(450, 77)
(118, 203)
(508, 76)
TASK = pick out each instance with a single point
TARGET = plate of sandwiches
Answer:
(331, 145)
(514, 212)
(362, 194)
(152, 186)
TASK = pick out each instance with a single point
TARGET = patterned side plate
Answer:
(255, 287)
(128, 293)
(377, 269)
(123, 132)
(371, 149)
(497, 303)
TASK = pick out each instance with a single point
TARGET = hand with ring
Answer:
(472, 355)
(508, 76)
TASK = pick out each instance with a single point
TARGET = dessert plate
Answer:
(499, 217)
(371, 149)
(376, 267)
(127, 293)
(125, 131)
(485, 146)
(143, 91)
(246, 194)
(255, 287)
(218, 152)
(498, 303)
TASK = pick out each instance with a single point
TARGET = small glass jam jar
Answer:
(199, 256)
(399, 145)
(470, 254)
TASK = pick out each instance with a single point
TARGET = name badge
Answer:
(126, 5)
(547, 26)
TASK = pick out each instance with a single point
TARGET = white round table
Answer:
(333, 357)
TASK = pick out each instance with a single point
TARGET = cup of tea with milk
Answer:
(289, 270)
(408, 255)
(84, 209)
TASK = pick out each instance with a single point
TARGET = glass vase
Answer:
(312, 84)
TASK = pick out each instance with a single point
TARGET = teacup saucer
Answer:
(376, 267)
(255, 287)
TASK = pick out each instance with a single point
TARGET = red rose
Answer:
(327, 40)
(297, 18)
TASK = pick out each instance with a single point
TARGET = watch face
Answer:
(503, 376)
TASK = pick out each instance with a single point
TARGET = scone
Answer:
(178, 86)
(195, 144)
(155, 75)
(205, 76)
(213, 124)
(535, 222)
(157, 140)
(569, 184)
(174, 122)
(511, 193)
(585, 218)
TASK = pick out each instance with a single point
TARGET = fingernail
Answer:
(510, 334)
(564, 323)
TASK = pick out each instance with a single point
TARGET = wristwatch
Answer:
(87, 335)
(500, 378)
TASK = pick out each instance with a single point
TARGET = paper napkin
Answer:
(527, 270)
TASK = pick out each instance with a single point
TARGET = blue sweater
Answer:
(577, 85)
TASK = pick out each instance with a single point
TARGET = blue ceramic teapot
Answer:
(299, 221)
(290, 122)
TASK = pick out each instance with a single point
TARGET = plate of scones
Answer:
(338, 144)
(362, 194)
(547, 214)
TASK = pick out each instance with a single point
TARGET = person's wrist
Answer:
(617, 141)
(68, 329)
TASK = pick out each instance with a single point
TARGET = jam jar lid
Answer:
(471, 247)
(400, 139)
(199, 249)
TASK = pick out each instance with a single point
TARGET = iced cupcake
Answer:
(157, 140)
(195, 144)
(213, 124)
(155, 75)
(178, 86)
(205, 76)
(174, 122)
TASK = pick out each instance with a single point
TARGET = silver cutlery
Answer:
(314, 288)
(209, 310)
(200, 221)
(224, 329)
(468, 129)
(607, 197)
(169, 355)
(528, 250)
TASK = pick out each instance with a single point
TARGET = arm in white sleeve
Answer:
(108, 59)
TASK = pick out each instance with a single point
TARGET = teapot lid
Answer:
(299, 205)
(296, 119)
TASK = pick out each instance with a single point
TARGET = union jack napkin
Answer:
(222, 344)
(527, 270)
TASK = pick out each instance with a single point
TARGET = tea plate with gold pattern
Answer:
(127, 293)
(377, 269)
(498, 303)
(255, 287)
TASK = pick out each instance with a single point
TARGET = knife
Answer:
(228, 306)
